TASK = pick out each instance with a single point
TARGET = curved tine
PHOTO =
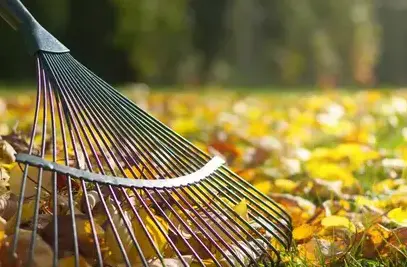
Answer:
(204, 231)
(25, 173)
(54, 174)
(71, 129)
(163, 128)
(270, 201)
(238, 244)
(163, 198)
(70, 193)
(103, 126)
(158, 125)
(134, 240)
(120, 209)
(229, 193)
(128, 128)
(153, 244)
(65, 97)
(158, 206)
(170, 221)
(147, 119)
(111, 129)
(41, 170)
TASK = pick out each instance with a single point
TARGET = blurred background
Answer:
(264, 43)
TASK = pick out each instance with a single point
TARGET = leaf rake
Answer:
(135, 192)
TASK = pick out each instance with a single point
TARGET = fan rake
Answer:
(137, 193)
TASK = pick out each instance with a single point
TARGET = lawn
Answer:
(335, 160)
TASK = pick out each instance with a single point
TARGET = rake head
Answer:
(104, 183)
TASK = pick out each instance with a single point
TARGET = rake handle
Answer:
(36, 37)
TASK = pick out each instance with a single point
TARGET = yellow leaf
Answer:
(153, 229)
(304, 231)
(185, 125)
(263, 186)
(330, 172)
(386, 185)
(7, 153)
(26, 215)
(285, 185)
(241, 209)
(398, 215)
(338, 221)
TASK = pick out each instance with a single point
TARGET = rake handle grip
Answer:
(36, 37)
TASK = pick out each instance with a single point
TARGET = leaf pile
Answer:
(335, 161)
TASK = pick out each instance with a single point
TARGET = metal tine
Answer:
(54, 174)
(250, 190)
(239, 218)
(123, 173)
(158, 206)
(208, 236)
(117, 139)
(226, 222)
(123, 148)
(70, 193)
(41, 170)
(72, 131)
(66, 97)
(195, 150)
(231, 250)
(115, 174)
(25, 173)
(245, 185)
(163, 128)
(238, 244)
(119, 207)
(230, 193)
(187, 227)
(81, 68)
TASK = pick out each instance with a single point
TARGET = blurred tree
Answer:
(393, 58)
(90, 36)
(16, 64)
(208, 35)
(156, 36)
(338, 38)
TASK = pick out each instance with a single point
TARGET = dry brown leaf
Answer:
(43, 254)
(7, 153)
(65, 235)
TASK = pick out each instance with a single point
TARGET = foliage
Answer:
(335, 161)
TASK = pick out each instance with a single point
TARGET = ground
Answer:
(336, 160)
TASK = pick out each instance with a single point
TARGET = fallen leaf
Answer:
(338, 222)
(241, 209)
(304, 232)
(43, 254)
(7, 153)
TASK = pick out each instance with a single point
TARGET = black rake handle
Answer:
(35, 36)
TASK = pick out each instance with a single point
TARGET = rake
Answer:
(103, 183)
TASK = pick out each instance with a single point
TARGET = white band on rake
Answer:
(209, 168)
